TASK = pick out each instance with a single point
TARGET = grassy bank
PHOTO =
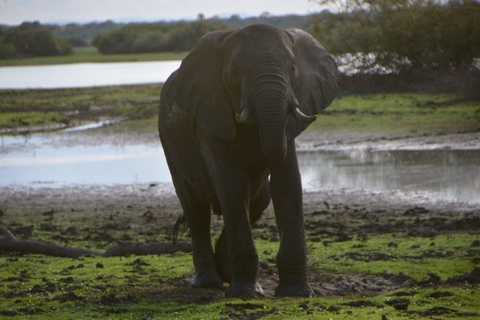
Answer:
(43, 108)
(395, 114)
(90, 54)
(401, 114)
(353, 253)
(149, 288)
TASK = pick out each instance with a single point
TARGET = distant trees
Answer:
(31, 40)
(113, 37)
(285, 21)
(155, 37)
(182, 35)
(77, 42)
(400, 35)
(83, 34)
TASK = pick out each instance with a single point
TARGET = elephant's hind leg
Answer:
(198, 219)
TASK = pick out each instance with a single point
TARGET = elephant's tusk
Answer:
(302, 117)
(241, 118)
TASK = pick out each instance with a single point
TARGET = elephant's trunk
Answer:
(271, 102)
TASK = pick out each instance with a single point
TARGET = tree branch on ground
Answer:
(9, 243)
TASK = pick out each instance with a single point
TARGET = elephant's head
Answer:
(276, 79)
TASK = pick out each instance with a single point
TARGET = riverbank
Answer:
(33, 110)
(388, 115)
(91, 54)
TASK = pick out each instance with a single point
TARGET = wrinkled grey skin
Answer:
(221, 156)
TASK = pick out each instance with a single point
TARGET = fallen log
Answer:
(125, 248)
(9, 243)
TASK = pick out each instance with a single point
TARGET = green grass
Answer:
(45, 287)
(90, 54)
(30, 107)
(116, 288)
(391, 115)
(20, 119)
(69, 99)
(446, 255)
(400, 114)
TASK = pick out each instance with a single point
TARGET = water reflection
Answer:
(447, 174)
(451, 174)
(40, 163)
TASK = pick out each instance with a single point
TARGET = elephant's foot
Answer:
(301, 289)
(243, 290)
(207, 280)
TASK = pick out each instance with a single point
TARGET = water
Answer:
(445, 174)
(86, 74)
(40, 163)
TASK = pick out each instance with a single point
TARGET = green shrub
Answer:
(32, 40)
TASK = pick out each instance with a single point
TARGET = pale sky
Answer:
(14, 12)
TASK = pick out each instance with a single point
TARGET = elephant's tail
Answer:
(180, 223)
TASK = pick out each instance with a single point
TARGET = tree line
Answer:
(155, 37)
(113, 37)
(31, 40)
(181, 35)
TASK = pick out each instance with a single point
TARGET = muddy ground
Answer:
(76, 215)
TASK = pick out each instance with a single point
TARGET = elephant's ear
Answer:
(316, 86)
(200, 91)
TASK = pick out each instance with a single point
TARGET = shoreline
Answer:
(93, 57)
(33, 64)
(118, 195)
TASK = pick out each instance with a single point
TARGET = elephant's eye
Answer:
(293, 74)
(233, 71)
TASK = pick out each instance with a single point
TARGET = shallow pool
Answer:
(446, 174)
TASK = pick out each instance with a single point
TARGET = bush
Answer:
(7, 50)
(31, 40)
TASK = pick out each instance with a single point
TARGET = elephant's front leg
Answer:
(256, 208)
(243, 256)
(233, 192)
(286, 192)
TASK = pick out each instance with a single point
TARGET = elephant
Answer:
(227, 122)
